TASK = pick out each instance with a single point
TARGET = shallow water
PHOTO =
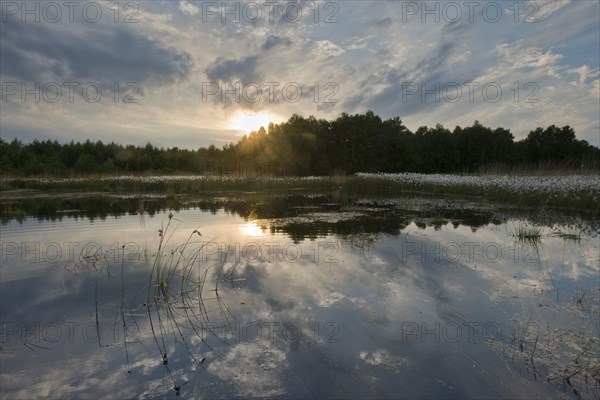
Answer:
(295, 295)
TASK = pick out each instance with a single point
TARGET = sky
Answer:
(194, 73)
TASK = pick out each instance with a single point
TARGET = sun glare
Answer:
(252, 229)
(250, 121)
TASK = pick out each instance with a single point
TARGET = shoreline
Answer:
(561, 191)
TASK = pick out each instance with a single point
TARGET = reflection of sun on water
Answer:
(252, 229)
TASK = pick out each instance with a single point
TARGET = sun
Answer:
(248, 121)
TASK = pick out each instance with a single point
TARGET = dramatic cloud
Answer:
(395, 58)
(229, 70)
(33, 52)
(274, 40)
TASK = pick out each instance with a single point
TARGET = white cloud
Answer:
(543, 9)
(519, 56)
(253, 368)
(584, 73)
(327, 49)
(188, 8)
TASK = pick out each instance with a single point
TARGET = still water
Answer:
(296, 295)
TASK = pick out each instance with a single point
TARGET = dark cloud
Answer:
(381, 23)
(326, 107)
(353, 102)
(448, 41)
(274, 40)
(247, 70)
(243, 70)
(32, 52)
(398, 97)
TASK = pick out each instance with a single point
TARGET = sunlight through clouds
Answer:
(251, 121)
(368, 50)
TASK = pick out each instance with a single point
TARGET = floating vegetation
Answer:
(528, 233)
(574, 237)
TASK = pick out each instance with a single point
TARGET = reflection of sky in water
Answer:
(405, 316)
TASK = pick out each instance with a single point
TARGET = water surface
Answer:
(295, 295)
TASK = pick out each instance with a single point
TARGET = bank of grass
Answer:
(174, 184)
(527, 191)
(568, 191)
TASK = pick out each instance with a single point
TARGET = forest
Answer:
(309, 146)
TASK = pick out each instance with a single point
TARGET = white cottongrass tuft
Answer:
(549, 184)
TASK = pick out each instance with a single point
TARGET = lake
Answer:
(296, 294)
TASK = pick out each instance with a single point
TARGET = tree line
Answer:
(311, 146)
